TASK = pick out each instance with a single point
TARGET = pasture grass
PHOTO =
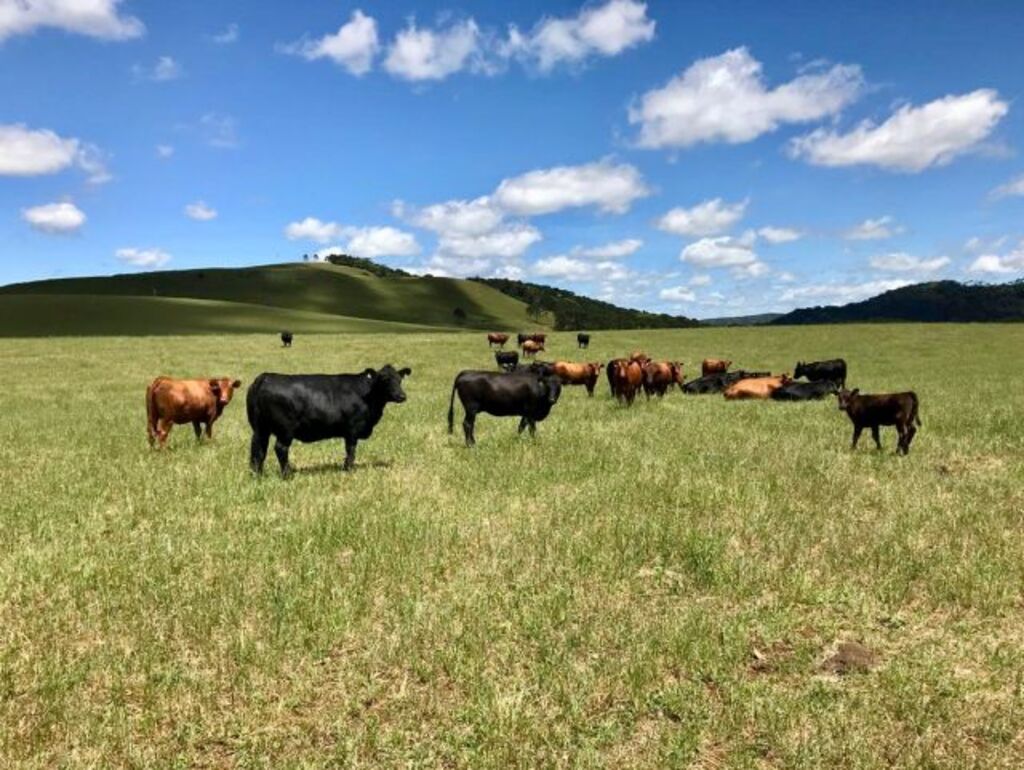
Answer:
(635, 588)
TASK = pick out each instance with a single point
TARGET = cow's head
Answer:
(223, 389)
(551, 387)
(844, 397)
(388, 382)
(800, 370)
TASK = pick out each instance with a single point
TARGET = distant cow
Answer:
(538, 337)
(628, 379)
(521, 394)
(817, 371)
(714, 366)
(314, 407)
(659, 376)
(532, 348)
(286, 339)
(899, 409)
(805, 391)
(506, 359)
(497, 338)
(583, 340)
(172, 402)
(578, 374)
(716, 383)
(757, 387)
(521, 338)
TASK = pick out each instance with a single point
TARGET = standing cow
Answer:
(532, 348)
(314, 407)
(659, 376)
(172, 402)
(820, 371)
(583, 341)
(714, 366)
(522, 394)
(578, 374)
(496, 338)
(871, 411)
(628, 378)
(286, 339)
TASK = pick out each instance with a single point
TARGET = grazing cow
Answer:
(172, 402)
(714, 366)
(805, 391)
(578, 374)
(286, 339)
(583, 340)
(496, 338)
(522, 394)
(629, 376)
(538, 337)
(507, 359)
(659, 376)
(532, 348)
(899, 409)
(757, 387)
(818, 371)
(716, 383)
(314, 407)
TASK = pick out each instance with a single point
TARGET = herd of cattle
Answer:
(315, 407)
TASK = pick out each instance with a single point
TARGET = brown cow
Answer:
(659, 376)
(497, 338)
(639, 356)
(578, 374)
(628, 378)
(532, 348)
(172, 402)
(714, 366)
(756, 387)
(538, 337)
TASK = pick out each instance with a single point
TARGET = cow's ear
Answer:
(405, 371)
(855, 391)
(236, 384)
(215, 385)
(369, 372)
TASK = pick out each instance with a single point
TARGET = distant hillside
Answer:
(741, 320)
(572, 311)
(925, 302)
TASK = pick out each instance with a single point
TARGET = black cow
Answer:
(314, 407)
(717, 383)
(507, 360)
(805, 391)
(521, 338)
(538, 368)
(522, 393)
(899, 409)
(286, 339)
(583, 340)
(816, 371)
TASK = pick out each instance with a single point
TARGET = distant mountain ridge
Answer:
(759, 319)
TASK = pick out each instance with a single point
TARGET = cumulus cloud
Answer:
(55, 218)
(725, 99)
(228, 36)
(573, 269)
(1011, 262)
(677, 294)
(780, 234)
(313, 229)
(610, 187)
(1013, 187)
(93, 18)
(143, 257)
(455, 217)
(901, 262)
(874, 230)
(369, 242)
(200, 211)
(840, 293)
(34, 152)
(353, 46)
(506, 242)
(421, 53)
(611, 250)
(700, 280)
(165, 69)
(913, 139)
(735, 253)
(710, 217)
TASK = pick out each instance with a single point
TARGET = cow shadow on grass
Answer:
(324, 468)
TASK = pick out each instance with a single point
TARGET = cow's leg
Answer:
(911, 432)
(533, 428)
(281, 448)
(350, 453)
(523, 422)
(878, 440)
(163, 430)
(856, 435)
(590, 389)
(258, 452)
(901, 443)
(198, 428)
(467, 427)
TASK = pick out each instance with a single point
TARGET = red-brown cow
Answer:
(172, 402)
(532, 348)
(659, 376)
(578, 374)
(714, 366)
(628, 377)
(639, 356)
(497, 338)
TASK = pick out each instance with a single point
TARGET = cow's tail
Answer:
(917, 417)
(151, 411)
(451, 408)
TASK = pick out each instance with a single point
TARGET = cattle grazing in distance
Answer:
(582, 341)
(506, 359)
(315, 407)
(818, 371)
(522, 394)
(532, 348)
(172, 402)
(716, 383)
(659, 376)
(585, 374)
(872, 411)
(805, 391)
(628, 377)
(714, 366)
(286, 339)
(496, 338)
(757, 387)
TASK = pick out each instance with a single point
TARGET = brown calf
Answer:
(899, 409)
(172, 402)
(497, 338)
(532, 348)
(578, 374)
(714, 366)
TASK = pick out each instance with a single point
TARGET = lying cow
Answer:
(714, 366)
(507, 360)
(286, 339)
(578, 374)
(532, 348)
(659, 376)
(899, 409)
(172, 402)
(716, 383)
(497, 338)
(314, 407)
(583, 340)
(756, 387)
(805, 391)
(818, 371)
(504, 394)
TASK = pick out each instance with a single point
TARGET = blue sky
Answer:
(706, 158)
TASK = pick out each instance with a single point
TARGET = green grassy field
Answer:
(649, 587)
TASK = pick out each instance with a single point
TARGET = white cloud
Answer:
(218, 130)
(506, 242)
(978, 245)
(723, 251)
(611, 188)
(573, 269)
(428, 54)
(710, 217)
(164, 151)
(700, 280)
(1012, 262)
(56, 218)
(33, 152)
(200, 211)
(611, 250)
(353, 46)
(874, 229)
(901, 262)
(455, 217)
(143, 257)
(313, 229)
(228, 36)
(913, 139)
(724, 99)
(840, 293)
(605, 30)
(677, 294)
(780, 234)
(165, 69)
(373, 242)
(93, 18)
(1013, 187)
